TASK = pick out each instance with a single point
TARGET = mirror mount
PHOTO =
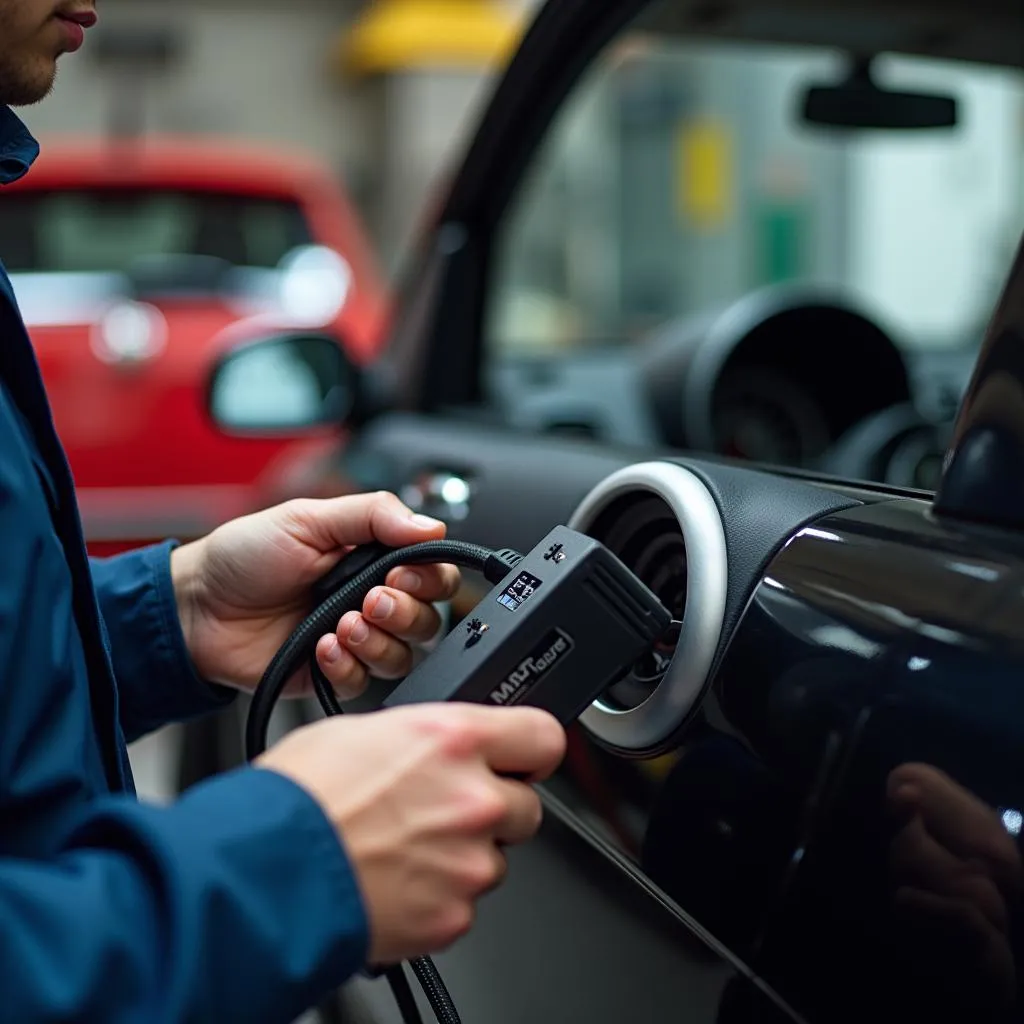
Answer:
(860, 103)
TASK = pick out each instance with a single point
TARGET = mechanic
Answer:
(361, 839)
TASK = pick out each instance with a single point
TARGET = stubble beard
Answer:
(22, 80)
(20, 87)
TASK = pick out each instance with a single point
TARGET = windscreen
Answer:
(106, 230)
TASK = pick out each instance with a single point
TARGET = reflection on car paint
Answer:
(845, 814)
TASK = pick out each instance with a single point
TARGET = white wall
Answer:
(935, 217)
(261, 69)
(253, 68)
(422, 121)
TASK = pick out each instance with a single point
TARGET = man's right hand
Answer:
(422, 801)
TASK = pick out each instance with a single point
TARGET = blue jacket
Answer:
(235, 903)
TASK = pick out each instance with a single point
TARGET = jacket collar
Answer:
(18, 150)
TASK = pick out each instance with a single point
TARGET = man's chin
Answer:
(25, 91)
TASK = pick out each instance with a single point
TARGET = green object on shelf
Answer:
(782, 242)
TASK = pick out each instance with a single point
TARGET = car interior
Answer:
(764, 283)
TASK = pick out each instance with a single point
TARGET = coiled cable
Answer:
(342, 592)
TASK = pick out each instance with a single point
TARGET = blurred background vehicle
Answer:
(201, 175)
(137, 262)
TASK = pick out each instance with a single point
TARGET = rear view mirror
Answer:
(860, 103)
(284, 384)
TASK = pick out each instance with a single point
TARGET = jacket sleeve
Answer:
(236, 903)
(156, 680)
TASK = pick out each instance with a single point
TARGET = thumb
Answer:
(330, 524)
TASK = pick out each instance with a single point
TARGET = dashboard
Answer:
(787, 377)
(825, 637)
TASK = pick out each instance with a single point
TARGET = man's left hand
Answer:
(242, 590)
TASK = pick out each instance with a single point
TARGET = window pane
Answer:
(109, 229)
(679, 178)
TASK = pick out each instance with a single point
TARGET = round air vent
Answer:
(663, 523)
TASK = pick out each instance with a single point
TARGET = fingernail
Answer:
(408, 581)
(425, 522)
(359, 632)
(332, 655)
(383, 606)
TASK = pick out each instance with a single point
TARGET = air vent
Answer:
(663, 523)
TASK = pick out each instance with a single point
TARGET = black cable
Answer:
(402, 991)
(432, 984)
(330, 1012)
(323, 689)
(301, 646)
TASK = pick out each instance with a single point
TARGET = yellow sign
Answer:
(706, 174)
(404, 35)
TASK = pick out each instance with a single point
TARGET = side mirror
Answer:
(288, 383)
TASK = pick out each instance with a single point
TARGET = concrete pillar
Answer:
(422, 120)
(422, 69)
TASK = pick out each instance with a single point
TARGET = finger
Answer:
(332, 524)
(483, 868)
(524, 815)
(401, 615)
(520, 741)
(957, 819)
(427, 582)
(344, 672)
(384, 656)
(962, 943)
(954, 919)
(917, 859)
(499, 871)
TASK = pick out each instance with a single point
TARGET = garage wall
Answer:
(254, 69)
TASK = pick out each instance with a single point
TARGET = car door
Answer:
(503, 449)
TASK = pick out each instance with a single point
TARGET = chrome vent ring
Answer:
(648, 727)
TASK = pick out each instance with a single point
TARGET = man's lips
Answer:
(84, 18)
(74, 24)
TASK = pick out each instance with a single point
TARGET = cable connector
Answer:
(500, 563)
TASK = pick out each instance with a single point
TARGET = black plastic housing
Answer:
(555, 633)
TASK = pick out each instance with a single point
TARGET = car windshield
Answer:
(112, 230)
(682, 176)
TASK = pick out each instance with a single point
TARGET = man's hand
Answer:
(958, 881)
(242, 590)
(417, 797)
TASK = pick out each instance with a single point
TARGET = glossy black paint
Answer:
(984, 477)
(845, 816)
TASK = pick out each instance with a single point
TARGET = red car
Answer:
(136, 265)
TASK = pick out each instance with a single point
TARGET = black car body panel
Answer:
(863, 635)
(878, 639)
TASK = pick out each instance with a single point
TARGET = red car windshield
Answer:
(107, 230)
